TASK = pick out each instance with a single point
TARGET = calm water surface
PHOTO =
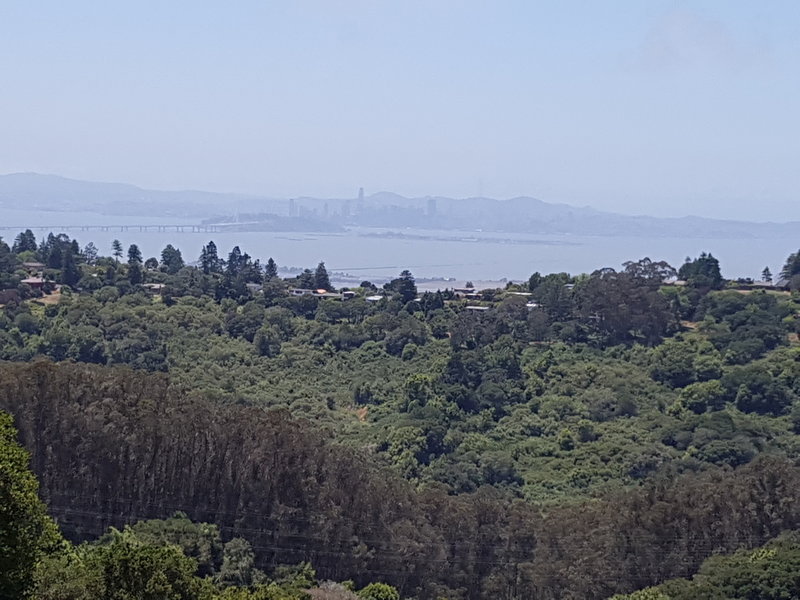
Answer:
(461, 255)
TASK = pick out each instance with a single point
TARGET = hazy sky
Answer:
(640, 106)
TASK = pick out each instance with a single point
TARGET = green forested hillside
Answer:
(617, 421)
(114, 446)
(771, 572)
(149, 560)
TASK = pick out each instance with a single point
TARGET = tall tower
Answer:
(431, 206)
(360, 203)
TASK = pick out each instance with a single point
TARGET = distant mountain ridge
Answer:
(381, 210)
(56, 193)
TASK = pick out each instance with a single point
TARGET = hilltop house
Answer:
(34, 267)
(300, 292)
(154, 288)
(321, 293)
(37, 283)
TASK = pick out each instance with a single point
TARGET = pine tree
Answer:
(70, 273)
(792, 266)
(209, 259)
(135, 273)
(404, 285)
(766, 275)
(90, 253)
(24, 242)
(702, 272)
(321, 279)
(134, 254)
(306, 279)
(235, 260)
(55, 257)
(271, 270)
(116, 246)
(171, 259)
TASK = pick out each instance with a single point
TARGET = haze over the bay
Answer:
(664, 108)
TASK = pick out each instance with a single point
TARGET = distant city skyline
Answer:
(666, 108)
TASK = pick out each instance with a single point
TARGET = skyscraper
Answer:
(360, 203)
(431, 206)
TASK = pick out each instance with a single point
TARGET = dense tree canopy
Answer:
(321, 279)
(702, 272)
(517, 431)
(26, 532)
(25, 242)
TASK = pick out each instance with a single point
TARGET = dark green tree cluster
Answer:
(107, 443)
(771, 572)
(512, 395)
(150, 560)
(702, 272)
(9, 278)
(488, 420)
(790, 274)
(26, 532)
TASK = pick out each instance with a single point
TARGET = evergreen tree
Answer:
(792, 266)
(134, 254)
(8, 264)
(204, 263)
(55, 257)
(209, 259)
(52, 249)
(271, 270)
(70, 273)
(213, 257)
(404, 285)
(90, 253)
(45, 246)
(171, 259)
(534, 281)
(251, 270)
(321, 279)
(306, 279)
(235, 262)
(766, 275)
(702, 272)
(135, 275)
(24, 242)
(116, 246)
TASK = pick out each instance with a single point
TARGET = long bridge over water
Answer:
(212, 228)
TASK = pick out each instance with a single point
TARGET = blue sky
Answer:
(640, 106)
